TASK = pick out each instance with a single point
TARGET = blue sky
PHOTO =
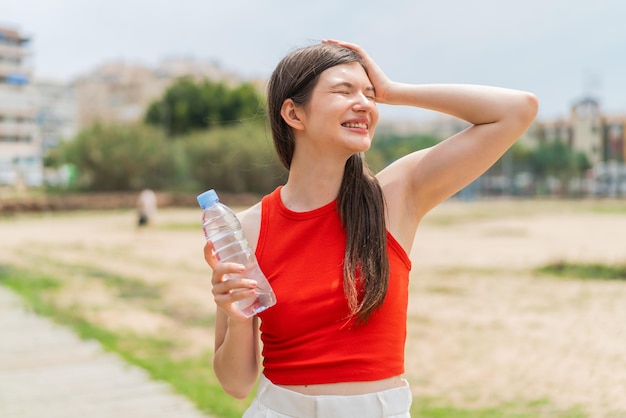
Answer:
(558, 49)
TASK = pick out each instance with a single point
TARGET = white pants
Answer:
(273, 401)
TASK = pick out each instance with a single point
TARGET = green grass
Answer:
(180, 226)
(585, 270)
(430, 408)
(124, 286)
(127, 288)
(193, 377)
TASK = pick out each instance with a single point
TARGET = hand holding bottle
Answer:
(227, 292)
(233, 261)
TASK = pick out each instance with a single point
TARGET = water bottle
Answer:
(223, 229)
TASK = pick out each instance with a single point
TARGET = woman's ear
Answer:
(291, 114)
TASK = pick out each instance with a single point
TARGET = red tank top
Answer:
(308, 337)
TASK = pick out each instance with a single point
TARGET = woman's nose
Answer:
(363, 102)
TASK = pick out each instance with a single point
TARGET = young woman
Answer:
(334, 240)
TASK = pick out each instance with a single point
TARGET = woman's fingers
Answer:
(233, 290)
(229, 286)
(222, 269)
(209, 254)
(344, 44)
(349, 45)
(226, 294)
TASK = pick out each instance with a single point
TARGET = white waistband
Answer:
(387, 403)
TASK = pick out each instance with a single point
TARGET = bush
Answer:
(234, 159)
(114, 157)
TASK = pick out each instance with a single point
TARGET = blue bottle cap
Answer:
(208, 198)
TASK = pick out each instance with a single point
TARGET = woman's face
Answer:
(341, 114)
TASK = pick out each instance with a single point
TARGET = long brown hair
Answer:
(360, 202)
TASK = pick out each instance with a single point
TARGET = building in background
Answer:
(120, 92)
(56, 118)
(588, 130)
(21, 154)
(115, 92)
(600, 137)
(609, 176)
(56, 112)
(587, 127)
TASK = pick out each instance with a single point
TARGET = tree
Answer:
(555, 159)
(387, 148)
(188, 105)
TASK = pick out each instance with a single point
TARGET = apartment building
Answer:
(56, 112)
(614, 140)
(587, 127)
(115, 92)
(20, 140)
(120, 92)
(601, 137)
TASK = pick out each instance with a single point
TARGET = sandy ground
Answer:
(484, 329)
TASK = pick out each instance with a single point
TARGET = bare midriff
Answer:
(348, 388)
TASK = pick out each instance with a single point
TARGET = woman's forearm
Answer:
(236, 361)
(475, 104)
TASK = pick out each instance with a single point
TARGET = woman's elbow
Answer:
(237, 392)
(238, 387)
(527, 108)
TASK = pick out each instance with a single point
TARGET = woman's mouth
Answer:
(357, 125)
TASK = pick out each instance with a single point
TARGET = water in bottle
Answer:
(223, 229)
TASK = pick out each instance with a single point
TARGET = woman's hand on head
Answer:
(228, 290)
(380, 81)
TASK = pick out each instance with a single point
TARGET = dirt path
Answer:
(483, 328)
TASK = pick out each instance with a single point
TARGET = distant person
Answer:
(146, 207)
(334, 240)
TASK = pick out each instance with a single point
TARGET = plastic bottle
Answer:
(223, 229)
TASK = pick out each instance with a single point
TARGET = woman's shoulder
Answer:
(251, 211)
(251, 223)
